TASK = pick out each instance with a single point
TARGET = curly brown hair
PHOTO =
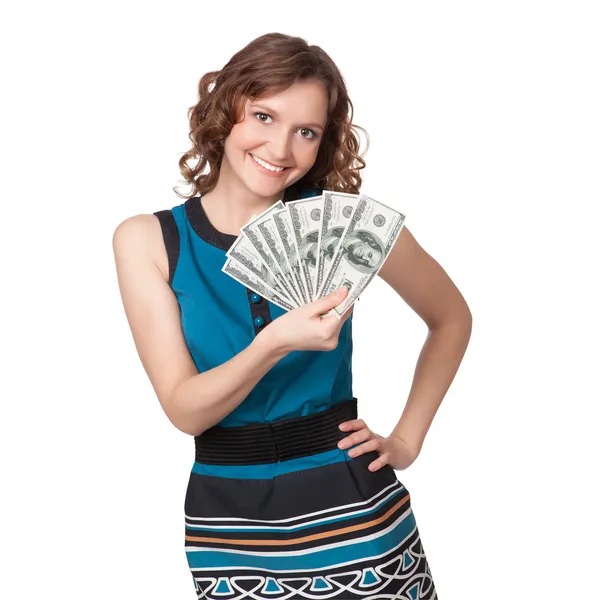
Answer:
(267, 65)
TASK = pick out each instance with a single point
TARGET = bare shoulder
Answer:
(422, 282)
(152, 308)
(142, 234)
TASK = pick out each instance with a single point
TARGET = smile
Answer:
(266, 165)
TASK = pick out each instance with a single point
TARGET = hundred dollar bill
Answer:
(305, 216)
(247, 278)
(283, 225)
(243, 251)
(268, 230)
(366, 243)
(252, 232)
(337, 210)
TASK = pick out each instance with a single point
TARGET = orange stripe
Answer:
(308, 538)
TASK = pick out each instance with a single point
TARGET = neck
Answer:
(230, 205)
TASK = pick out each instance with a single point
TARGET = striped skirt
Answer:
(277, 510)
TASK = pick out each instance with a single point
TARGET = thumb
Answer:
(326, 303)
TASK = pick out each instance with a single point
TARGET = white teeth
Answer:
(266, 164)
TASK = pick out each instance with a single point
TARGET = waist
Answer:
(275, 441)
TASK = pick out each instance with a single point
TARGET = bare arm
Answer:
(204, 399)
(427, 289)
(192, 401)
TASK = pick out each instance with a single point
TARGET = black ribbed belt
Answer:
(275, 441)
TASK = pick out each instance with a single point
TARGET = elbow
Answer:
(179, 418)
(462, 319)
(462, 315)
(183, 423)
(184, 426)
(462, 324)
(459, 318)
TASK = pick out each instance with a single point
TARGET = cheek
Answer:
(244, 136)
(307, 153)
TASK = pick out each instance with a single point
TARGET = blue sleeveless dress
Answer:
(317, 526)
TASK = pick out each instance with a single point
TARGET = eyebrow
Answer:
(274, 113)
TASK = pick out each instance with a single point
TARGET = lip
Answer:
(267, 171)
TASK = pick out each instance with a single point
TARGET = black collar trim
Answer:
(204, 228)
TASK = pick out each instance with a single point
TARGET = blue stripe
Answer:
(312, 559)
(269, 470)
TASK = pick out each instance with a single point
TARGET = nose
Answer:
(280, 146)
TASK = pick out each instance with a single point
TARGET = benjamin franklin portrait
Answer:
(361, 248)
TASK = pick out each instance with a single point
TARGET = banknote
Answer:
(337, 210)
(365, 244)
(297, 252)
(283, 227)
(270, 234)
(251, 281)
(243, 251)
(274, 262)
(305, 216)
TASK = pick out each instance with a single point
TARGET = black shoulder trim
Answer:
(204, 228)
(170, 238)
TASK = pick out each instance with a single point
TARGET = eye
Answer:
(256, 114)
(313, 136)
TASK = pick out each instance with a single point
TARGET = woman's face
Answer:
(284, 129)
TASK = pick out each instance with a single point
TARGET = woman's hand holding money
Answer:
(304, 329)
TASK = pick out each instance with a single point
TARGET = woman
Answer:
(291, 495)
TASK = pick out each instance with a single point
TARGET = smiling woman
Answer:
(286, 103)
(277, 147)
(274, 507)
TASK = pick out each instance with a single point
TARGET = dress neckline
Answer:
(211, 235)
(204, 228)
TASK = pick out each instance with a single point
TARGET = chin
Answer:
(265, 190)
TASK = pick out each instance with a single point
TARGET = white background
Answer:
(484, 125)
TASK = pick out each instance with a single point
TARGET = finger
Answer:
(329, 315)
(352, 424)
(362, 435)
(326, 303)
(368, 446)
(379, 462)
(337, 322)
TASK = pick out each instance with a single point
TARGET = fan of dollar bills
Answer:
(296, 252)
